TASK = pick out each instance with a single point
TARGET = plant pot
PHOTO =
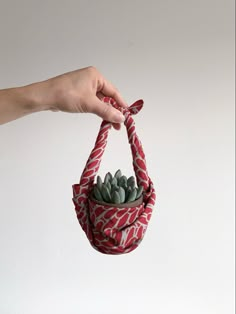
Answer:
(114, 224)
(123, 205)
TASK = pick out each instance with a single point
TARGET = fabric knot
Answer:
(131, 110)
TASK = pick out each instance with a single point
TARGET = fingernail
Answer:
(119, 117)
(125, 104)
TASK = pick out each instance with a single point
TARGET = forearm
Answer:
(20, 101)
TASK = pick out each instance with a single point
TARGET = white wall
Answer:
(176, 55)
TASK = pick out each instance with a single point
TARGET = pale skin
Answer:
(78, 91)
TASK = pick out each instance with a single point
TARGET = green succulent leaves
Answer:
(105, 192)
(118, 174)
(97, 193)
(116, 198)
(116, 189)
(121, 192)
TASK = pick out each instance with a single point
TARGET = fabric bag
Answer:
(113, 229)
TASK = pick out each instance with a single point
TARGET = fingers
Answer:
(109, 90)
(100, 95)
(116, 126)
(106, 112)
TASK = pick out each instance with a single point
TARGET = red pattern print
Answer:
(113, 230)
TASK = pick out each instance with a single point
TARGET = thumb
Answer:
(106, 111)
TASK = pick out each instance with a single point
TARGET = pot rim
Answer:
(135, 203)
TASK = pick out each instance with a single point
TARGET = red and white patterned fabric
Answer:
(113, 230)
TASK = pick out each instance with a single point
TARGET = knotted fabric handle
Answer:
(139, 163)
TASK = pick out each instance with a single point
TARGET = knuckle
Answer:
(115, 92)
(92, 69)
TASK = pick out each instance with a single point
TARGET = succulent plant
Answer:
(116, 189)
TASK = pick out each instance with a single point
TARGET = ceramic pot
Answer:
(114, 224)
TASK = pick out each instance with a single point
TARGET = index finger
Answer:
(109, 90)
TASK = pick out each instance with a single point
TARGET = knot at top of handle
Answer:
(131, 110)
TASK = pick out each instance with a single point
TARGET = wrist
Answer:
(20, 101)
(33, 97)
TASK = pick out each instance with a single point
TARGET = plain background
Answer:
(179, 57)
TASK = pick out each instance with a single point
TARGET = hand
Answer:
(77, 91)
(82, 91)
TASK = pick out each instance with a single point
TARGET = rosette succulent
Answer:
(117, 189)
